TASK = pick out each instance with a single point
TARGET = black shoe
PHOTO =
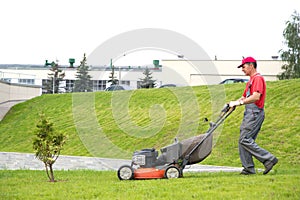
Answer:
(269, 165)
(246, 172)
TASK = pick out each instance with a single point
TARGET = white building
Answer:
(203, 72)
(179, 72)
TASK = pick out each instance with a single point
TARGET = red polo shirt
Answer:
(257, 84)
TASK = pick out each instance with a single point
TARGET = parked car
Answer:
(234, 80)
(167, 85)
(117, 87)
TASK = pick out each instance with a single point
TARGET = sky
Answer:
(35, 30)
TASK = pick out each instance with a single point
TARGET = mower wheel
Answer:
(172, 172)
(125, 172)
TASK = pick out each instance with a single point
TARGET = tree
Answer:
(56, 75)
(48, 144)
(147, 81)
(112, 79)
(83, 82)
(291, 55)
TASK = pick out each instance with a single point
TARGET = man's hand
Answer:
(234, 103)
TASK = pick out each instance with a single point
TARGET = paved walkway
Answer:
(14, 161)
(5, 107)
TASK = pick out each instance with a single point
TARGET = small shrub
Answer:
(48, 144)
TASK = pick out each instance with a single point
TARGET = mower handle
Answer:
(226, 111)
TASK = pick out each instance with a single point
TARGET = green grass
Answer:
(23, 184)
(99, 123)
(90, 119)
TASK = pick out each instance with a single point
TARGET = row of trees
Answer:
(83, 82)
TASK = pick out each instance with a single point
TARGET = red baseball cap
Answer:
(247, 60)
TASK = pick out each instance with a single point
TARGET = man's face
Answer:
(246, 68)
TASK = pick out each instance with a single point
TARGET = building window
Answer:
(99, 85)
(26, 81)
(46, 86)
(6, 80)
(45, 82)
(70, 85)
(125, 83)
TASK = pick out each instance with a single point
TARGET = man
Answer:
(253, 98)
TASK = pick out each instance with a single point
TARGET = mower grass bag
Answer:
(201, 152)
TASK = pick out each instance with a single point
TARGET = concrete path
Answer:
(5, 107)
(14, 161)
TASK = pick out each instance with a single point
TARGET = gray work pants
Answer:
(252, 122)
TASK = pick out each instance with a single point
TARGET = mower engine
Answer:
(147, 164)
(145, 158)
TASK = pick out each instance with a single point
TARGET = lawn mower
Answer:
(147, 164)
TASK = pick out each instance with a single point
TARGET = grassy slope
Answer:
(280, 133)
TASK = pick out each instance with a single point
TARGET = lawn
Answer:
(23, 184)
(94, 121)
(91, 133)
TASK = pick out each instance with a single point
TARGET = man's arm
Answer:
(243, 100)
(251, 99)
